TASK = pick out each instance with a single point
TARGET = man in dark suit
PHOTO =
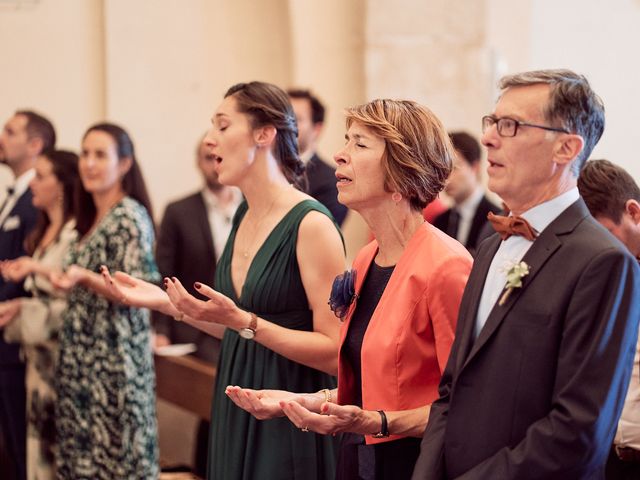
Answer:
(193, 233)
(465, 221)
(320, 176)
(25, 135)
(548, 322)
(613, 198)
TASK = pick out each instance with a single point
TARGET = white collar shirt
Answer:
(220, 217)
(467, 211)
(514, 248)
(20, 186)
(307, 156)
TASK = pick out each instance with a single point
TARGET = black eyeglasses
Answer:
(508, 127)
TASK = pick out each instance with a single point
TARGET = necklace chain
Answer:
(258, 224)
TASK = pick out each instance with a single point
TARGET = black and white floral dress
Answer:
(105, 417)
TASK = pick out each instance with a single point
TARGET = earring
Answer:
(396, 197)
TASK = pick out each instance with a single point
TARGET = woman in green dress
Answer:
(272, 283)
(105, 416)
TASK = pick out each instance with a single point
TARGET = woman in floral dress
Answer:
(105, 417)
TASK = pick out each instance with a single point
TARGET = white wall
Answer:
(159, 67)
(595, 38)
(168, 65)
(328, 57)
(602, 43)
(51, 56)
(432, 52)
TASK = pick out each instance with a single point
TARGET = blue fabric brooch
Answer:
(343, 293)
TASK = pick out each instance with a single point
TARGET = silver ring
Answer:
(305, 429)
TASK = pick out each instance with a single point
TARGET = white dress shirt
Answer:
(514, 248)
(19, 187)
(467, 210)
(220, 217)
(307, 156)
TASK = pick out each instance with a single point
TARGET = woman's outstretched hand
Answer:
(332, 418)
(265, 404)
(68, 279)
(134, 291)
(218, 309)
(17, 269)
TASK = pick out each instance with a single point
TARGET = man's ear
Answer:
(265, 136)
(35, 145)
(124, 165)
(476, 168)
(317, 129)
(632, 208)
(568, 147)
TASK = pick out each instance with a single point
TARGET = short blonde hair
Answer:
(418, 154)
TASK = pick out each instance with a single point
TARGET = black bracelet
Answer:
(384, 427)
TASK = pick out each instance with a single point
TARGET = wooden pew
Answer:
(187, 382)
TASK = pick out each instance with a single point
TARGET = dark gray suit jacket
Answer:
(185, 250)
(477, 232)
(322, 186)
(537, 395)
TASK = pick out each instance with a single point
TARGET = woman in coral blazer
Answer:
(399, 303)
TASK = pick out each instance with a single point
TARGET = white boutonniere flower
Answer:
(515, 273)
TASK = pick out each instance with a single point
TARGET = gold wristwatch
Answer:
(249, 332)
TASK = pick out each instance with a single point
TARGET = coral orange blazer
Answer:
(407, 342)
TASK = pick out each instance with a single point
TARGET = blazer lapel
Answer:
(539, 253)
(362, 263)
(204, 225)
(478, 221)
(472, 294)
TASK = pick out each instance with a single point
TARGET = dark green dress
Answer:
(241, 447)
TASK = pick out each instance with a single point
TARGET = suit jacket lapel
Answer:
(541, 251)
(479, 219)
(471, 298)
(203, 222)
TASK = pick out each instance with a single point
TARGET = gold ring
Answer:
(305, 429)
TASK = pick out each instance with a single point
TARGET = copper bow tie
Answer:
(507, 226)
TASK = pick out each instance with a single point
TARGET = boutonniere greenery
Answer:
(515, 273)
(343, 293)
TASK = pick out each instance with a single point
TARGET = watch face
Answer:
(247, 333)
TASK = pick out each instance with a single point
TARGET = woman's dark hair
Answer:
(132, 183)
(65, 168)
(266, 104)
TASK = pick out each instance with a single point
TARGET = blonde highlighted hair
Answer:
(418, 153)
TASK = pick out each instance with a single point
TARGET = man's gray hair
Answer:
(572, 105)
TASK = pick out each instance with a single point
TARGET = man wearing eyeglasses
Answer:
(548, 323)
